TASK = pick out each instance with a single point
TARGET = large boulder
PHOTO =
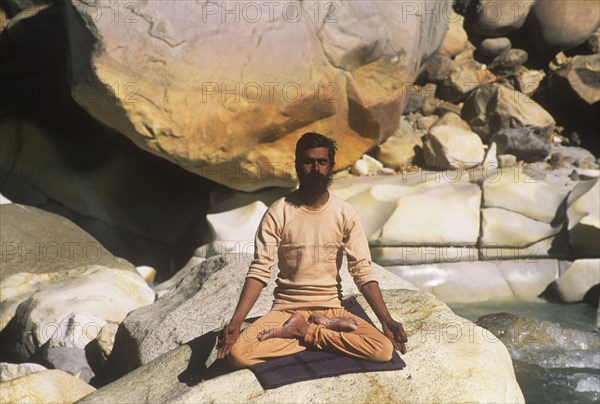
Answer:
(562, 25)
(66, 309)
(468, 364)
(48, 386)
(492, 107)
(59, 284)
(205, 297)
(147, 76)
(39, 242)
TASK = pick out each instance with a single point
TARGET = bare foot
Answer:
(334, 323)
(294, 327)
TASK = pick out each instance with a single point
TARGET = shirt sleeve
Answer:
(357, 250)
(266, 243)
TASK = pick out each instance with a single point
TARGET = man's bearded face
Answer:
(315, 170)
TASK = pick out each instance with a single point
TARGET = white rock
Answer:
(516, 191)
(432, 214)
(374, 165)
(464, 282)
(447, 147)
(373, 210)
(236, 224)
(457, 282)
(41, 302)
(9, 371)
(584, 200)
(528, 278)
(368, 165)
(501, 227)
(579, 278)
(74, 331)
(360, 167)
(4, 200)
(146, 272)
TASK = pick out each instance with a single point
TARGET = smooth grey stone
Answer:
(494, 46)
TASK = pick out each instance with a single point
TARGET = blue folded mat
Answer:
(309, 364)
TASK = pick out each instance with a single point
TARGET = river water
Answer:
(555, 347)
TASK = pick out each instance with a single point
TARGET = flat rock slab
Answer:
(461, 282)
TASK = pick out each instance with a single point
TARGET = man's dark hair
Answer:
(312, 140)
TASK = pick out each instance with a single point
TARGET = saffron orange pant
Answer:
(366, 342)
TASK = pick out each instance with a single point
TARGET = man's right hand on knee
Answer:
(228, 337)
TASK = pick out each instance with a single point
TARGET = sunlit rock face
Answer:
(226, 90)
(468, 361)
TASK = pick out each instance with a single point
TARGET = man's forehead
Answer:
(322, 152)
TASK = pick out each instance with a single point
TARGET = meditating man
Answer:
(307, 232)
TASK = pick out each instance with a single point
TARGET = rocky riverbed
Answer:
(141, 143)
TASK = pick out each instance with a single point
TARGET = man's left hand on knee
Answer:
(395, 332)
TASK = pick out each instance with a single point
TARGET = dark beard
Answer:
(315, 182)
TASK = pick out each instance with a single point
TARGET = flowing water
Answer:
(555, 347)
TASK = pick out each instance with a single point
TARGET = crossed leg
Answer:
(280, 333)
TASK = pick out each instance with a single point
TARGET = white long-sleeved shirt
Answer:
(309, 245)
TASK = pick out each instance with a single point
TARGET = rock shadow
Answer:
(197, 370)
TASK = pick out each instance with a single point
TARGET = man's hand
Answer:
(395, 332)
(231, 332)
(391, 328)
(228, 337)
